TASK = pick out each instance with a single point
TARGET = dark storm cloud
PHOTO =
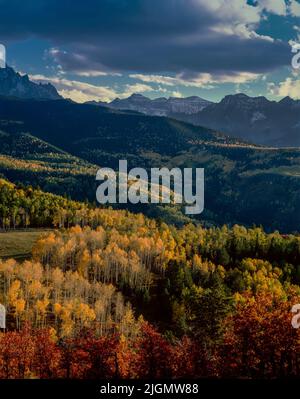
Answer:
(148, 36)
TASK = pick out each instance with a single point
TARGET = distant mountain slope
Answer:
(252, 119)
(255, 119)
(29, 160)
(15, 85)
(159, 106)
(243, 183)
(90, 131)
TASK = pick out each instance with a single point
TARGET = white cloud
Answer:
(160, 79)
(135, 88)
(278, 7)
(241, 18)
(240, 30)
(94, 74)
(177, 94)
(78, 95)
(294, 8)
(289, 87)
(202, 80)
(91, 74)
(82, 92)
(238, 11)
(78, 91)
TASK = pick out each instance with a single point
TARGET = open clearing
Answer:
(18, 244)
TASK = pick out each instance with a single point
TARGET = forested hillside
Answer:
(110, 293)
(29, 160)
(24, 207)
(122, 295)
(60, 145)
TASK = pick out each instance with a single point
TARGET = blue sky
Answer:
(112, 48)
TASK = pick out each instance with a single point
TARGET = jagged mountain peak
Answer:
(288, 101)
(255, 119)
(14, 84)
(160, 106)
(244, 99)
(138, 95)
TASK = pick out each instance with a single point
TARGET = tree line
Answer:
(217, 300)
(259, 343)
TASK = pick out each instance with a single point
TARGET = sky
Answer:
(103, 49)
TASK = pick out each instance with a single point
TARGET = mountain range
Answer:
(254, 119)
(159, 106)
(15, 85)
(58, 145)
